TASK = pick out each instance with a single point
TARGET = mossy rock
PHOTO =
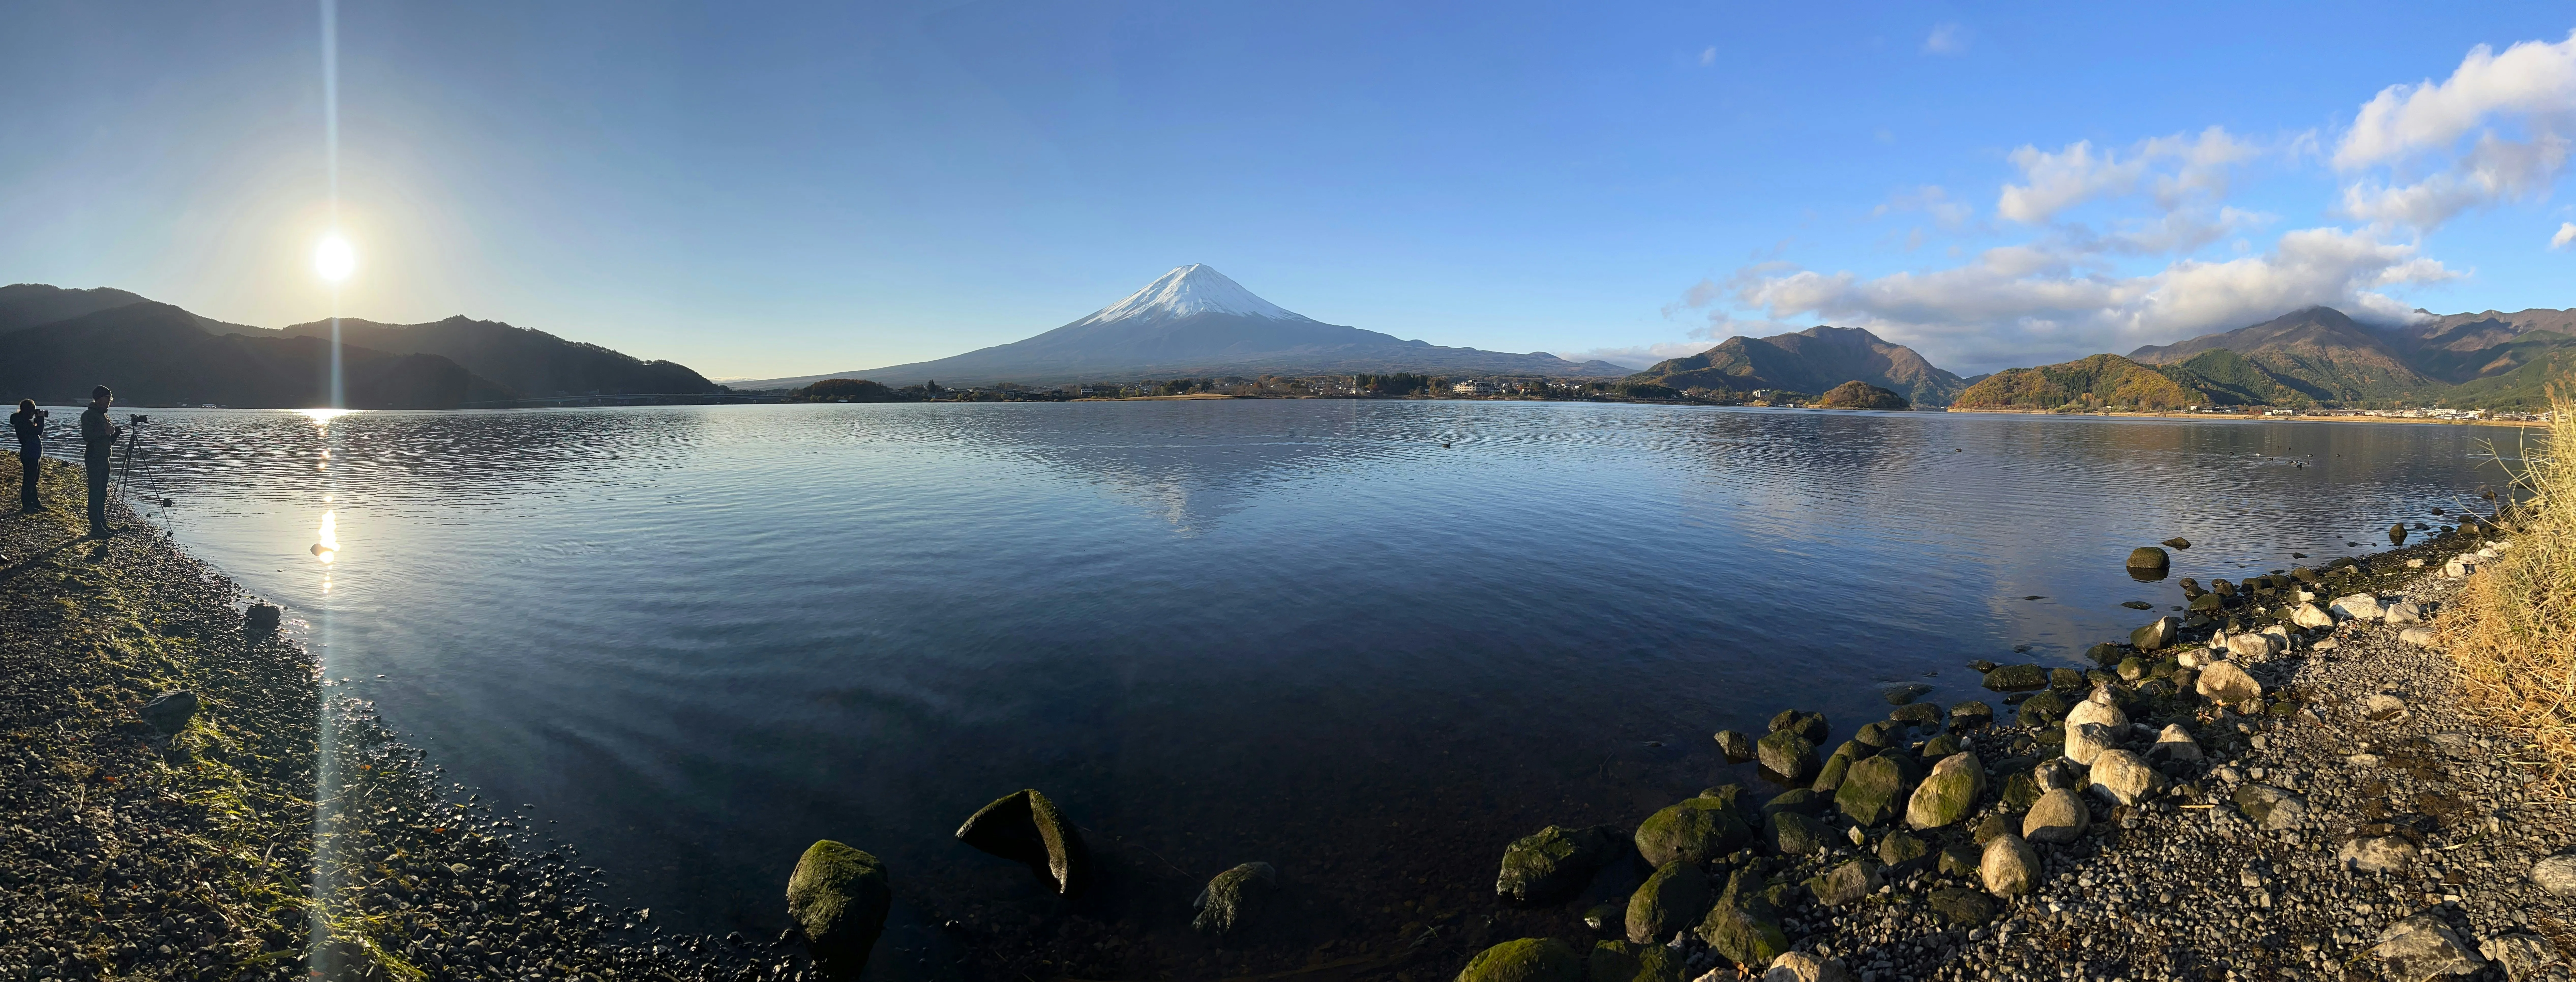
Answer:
(1991, 827)
(1878, 735)
(2066, 680)
(1787, 754)
(1916, 714)
(1026, 826)
(1672, 899)
(1846, 883)
(1948, 794)
(1958, 860)
(1962, 907)
(1970, 716)
(1875, 789)
(1942, 746)
(1744, 926)
(1830, 777)
(1525, 960)
(1621, 961)
(838, 896)
(1793, 834)
(2017, 678)
(1734, 796)
(1904, 852)
(2131, 669)
(2149, 557)
(1555, 861)
(2105, 653)
(2020, 791)
(2042, 710)
(1801, 800)
(1809, 725)
(1694, 831)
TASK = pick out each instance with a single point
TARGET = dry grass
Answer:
(2513, 628)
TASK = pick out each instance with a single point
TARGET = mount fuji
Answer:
(1193, 321)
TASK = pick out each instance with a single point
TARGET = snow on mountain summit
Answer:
(1189, 290)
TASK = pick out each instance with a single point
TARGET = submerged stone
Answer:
(1228, 900)
(1525, 960)
(1553, 862)
(1694, 831)
(838, 896)
(1025, 826)
(1672, 899)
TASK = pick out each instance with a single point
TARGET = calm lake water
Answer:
(1367, 642)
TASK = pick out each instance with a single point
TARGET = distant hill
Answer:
(2327, 353)
(1812, 360)
(530, 363)
(1193, 321)
(29, 304)
(154, 354)
(1857, 394)
(2098, 382)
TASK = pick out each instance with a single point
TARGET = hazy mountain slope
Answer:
(532, 363)
(1813, 360)
(2523, 388)
(2101, 381)
(2464, 333)
(1195, 321)
(154, 354)
(24, 305)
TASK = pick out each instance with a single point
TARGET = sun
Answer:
(333, 259)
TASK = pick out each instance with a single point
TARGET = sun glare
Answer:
(333, 259)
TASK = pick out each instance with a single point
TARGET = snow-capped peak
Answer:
(1191, 289)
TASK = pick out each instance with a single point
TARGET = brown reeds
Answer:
(2512, 628)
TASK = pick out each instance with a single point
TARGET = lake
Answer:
(1368, 642)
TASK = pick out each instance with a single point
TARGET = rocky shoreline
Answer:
(2281, 787)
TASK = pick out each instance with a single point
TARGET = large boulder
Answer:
(2010, 867)
(2223, 682)
(2086, 742)
(1874, 791)
(2149, 557)
(1026, 826)
(2100, 707)
(1736, 746)
(1792, 834)
(1971, 715)
(2059, 816)
(2174, 743)
(1949, 793)
(2124, 777)
(1554, 862)
(2309, 615)
(2044, 709)
(2156, 634)
(2017, 678)
(1903, 852)
(1805, 724)
(1525, 960)
(838, 896)
(1743, 926)
(2269, 807)
(1921, 715)
(1670, 900)
(2359, 606)
(1693, 831)
(1962, 908)
(1788, 754)
(2422, 947)
(1229, 900)
(2402, 612)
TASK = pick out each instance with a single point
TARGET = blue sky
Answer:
(763, 190)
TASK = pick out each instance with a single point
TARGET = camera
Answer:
(137, 418)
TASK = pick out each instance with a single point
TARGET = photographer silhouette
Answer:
(100, 438)
(29, 423)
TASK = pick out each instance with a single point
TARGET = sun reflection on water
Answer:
(327, 544)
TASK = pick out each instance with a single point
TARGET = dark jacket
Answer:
(97, 431)
(29, 426)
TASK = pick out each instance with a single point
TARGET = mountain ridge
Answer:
(1813, 360)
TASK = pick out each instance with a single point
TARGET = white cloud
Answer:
(1946, 39)
(2566, 234)
(2177, 171)
(2532, 78)
(1931, 199)
(1708, 55)
(2029, 304)
(2531, 86)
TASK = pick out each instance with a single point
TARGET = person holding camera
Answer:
(100, 439)
(29, 423)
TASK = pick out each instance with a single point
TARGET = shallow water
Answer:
(1304, 632)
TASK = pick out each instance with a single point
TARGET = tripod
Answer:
(135, 457)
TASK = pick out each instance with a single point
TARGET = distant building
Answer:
(1476, 387)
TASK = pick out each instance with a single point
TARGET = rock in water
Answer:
(1672, 899)
(1525, 960)
(838, 897)
(2156, 634)
(2009, 868)
(170, 712)
(1799, 966)
(1227, 901)
(1025, 826)
(1971, 715)
(1552, 863)
(2149, 557)
(2397, 534)
(1809, 725)
(2271, 808)
(2178, 542)
(1949, 793)
(1694, 831)
(2059, 816)
(1736, 746)
(1789, 755)
(262, 618)
(1902, 694)
(1874, 789)
(2422, 947)
(2016, 678)
(2124, 778)
(2223, 682)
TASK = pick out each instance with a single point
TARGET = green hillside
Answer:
(2098, 382)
